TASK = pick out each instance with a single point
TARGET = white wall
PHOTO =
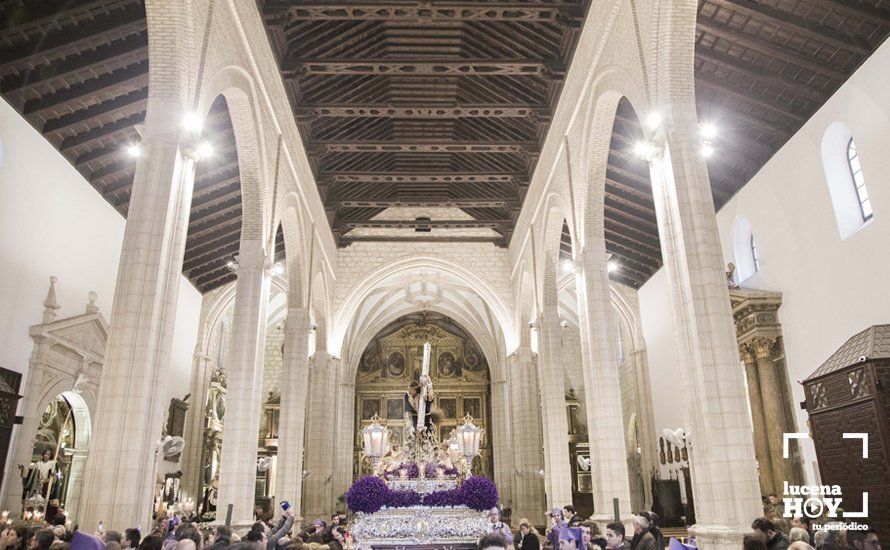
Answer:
(52, 222)
(832, 288)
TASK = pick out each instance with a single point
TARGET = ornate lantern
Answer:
(468, 438)
(376, 442)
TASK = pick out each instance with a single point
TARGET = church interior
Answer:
(596, 273)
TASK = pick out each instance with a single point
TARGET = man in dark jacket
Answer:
(643, 539)
(765, 530)
(571, 518)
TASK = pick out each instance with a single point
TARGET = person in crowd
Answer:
(528, 536)
(491, 541)
(615, 537)
(43, 539)
(131, 538)
(652, 517)
(835, 537)
(766, 530)
(338, 539)
(805, 523)
(800, 545)
(556, 523)
(775, 507)
(151, 542)
(111, 536)
(592, 538)
(15, 538)
(498, 526)
(83, 541)
(570, 538)
(863, 540)
(753, 542)
(317, 533)
(798, 534)
(571, 518)
(281, 530)
(337, 520)
(643, 539)
(819, 539)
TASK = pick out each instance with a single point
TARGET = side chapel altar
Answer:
(422, 494)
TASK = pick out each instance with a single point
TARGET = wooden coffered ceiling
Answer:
(428, 103)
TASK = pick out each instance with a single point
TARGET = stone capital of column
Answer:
(763, 347)
(746, 354)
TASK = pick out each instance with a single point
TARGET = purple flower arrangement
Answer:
(369, 494)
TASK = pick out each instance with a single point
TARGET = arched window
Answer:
(858, 181)
(754, 257)
(747, 263)
(846, 180)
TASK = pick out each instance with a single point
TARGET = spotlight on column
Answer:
(653, 120)
(566, 266)
(612, 266)
(708, 130)
(706, 149)
(192, 122)
(134, 150)
(645, 150)
(278, 269)
(232, 265)
(204, 150)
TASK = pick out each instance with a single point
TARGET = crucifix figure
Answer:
(419, 397)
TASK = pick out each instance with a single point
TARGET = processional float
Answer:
(423, 493)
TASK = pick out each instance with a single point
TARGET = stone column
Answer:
(526, 441)
(292, 416)
(23, 449)
(646, 418)
(318, 494)
(558, 478)
(723, 468)
(120, 470)
(602, 390)
(192, 467)
(755, 402)
(499, 433)
(345, 433)
(237, 469)
(773, 408)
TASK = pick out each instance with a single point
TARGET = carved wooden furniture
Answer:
(849, 394)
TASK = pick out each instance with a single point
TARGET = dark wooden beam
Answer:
(419, 146)
(104, 131)
(423, 224)
(422, 67)
(346, 241)
(214, 279)
(718, 85)
(796, 24)
(753, 72)
(86, 34)
(432, 111)
(120, 53)
(135, 100)
(563, 12)
(423, 177)
(119, 82)
(861, 9)
(213, 255)
(764, 47)
(423, 202)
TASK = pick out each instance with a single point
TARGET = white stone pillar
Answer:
(192, 465)
(119, 478)
(318, 494)
(602, 389)
(721, 449)
(241, 428)
(558, 478)
(345, 433)
(292, 416)
(499, 431)
(526, 440)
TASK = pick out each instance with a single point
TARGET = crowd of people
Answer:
(566, 530)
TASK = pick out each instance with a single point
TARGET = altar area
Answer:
(421, 494)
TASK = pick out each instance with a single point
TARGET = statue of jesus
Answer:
(413, 399)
